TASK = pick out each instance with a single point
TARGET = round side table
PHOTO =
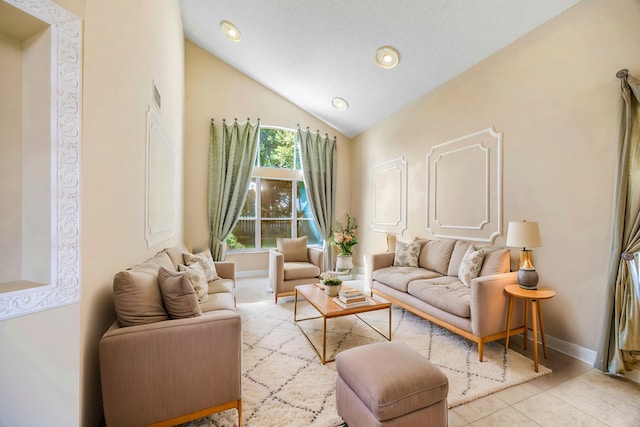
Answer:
(532, 298)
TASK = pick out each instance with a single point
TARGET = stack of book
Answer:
(351, 298)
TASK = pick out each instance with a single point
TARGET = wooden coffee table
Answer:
(328, 309)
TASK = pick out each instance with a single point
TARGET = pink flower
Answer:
(338, 237)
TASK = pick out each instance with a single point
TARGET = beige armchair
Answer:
(293, 263)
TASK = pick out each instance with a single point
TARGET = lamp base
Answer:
(528, 279)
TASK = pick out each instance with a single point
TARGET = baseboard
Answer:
(580, 353)
(252, 273)
(570, 349)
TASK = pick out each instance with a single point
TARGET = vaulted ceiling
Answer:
(310, 51)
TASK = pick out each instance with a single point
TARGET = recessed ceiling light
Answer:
(230, 31)
(387, 57)
(339, 104)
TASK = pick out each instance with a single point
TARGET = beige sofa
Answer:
(452, 284)
(173, 354)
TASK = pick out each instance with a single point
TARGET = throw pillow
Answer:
(407, 254)
(496, 262)
(136, 294)
(178, 295)
(293, 250)
(205, 260)
(470, 265)
(195, 274)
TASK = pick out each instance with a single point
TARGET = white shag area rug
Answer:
(284, 383)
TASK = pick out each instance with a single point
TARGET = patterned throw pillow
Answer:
(195, 274)
(205, 260)
(470, 265)
(407, 254)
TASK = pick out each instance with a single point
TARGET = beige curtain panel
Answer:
(620, 344)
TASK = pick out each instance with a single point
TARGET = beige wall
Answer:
(214, 90)
(51, 357)
(554, 96)
(11, 158)
(127, 46)
(36, 158)
(25, 184)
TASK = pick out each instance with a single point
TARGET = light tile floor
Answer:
(574, 394)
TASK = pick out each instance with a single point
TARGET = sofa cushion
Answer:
(406, 254)
(446, 293)
(471, 265)
(136, 294)
(399, 277)
(221, 285)
(221, 301)
(293, 250)
(195, 274)
(178, 294)
(496, 262)
(459, 250)
(300, 270)
(435, 254)
(205, 260)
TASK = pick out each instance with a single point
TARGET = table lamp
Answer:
(525, 234)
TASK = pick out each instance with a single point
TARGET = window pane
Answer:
(243, 235)
(275, 198)
(308, 228)
(303, 207)
(276, 148)
(272, 229)
(249, 208)
(296, 154)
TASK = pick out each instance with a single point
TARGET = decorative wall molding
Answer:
(160, 218)
(389, 196)
(464, 187)
(66, 99)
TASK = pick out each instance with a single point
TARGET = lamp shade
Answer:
(523, 234)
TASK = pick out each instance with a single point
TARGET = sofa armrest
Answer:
(489, 304)
(316, 257)
(226, 269)
(167, 369)
(382, 260)
(276, 269)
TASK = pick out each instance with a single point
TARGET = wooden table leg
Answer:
(526, 319)
(544, 345)
(534, 321)
(324, 340)
(390, 323)
(506, 344)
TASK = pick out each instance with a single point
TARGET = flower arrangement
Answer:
(345, 237)
(329, 279)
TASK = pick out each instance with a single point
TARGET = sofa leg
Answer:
(239, 413)
(480, 349)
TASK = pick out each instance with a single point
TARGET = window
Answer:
(277, 203)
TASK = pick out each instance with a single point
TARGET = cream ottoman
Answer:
(389, 384)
